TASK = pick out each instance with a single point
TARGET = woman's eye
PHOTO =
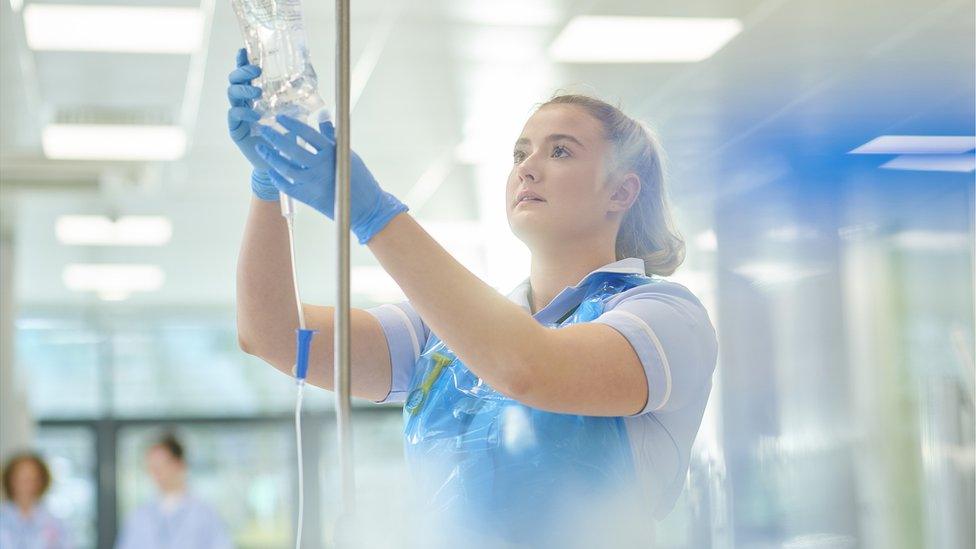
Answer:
(559, 151)
(518, 156)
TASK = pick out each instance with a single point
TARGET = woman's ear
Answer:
(625, 193)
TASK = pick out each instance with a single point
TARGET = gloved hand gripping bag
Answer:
(275, 39)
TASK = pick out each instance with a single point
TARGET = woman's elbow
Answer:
(244, 343)
(255, 348)
(518, 385)
(249, 343)
(521, 374)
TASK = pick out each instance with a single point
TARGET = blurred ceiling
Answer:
(445, 87)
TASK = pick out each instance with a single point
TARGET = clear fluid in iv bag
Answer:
(274, 37)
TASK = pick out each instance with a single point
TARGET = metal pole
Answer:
(341, 325)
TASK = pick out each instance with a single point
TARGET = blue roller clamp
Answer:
(301, 357)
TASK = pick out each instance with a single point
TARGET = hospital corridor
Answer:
(487, 274)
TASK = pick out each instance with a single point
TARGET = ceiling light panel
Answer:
(962, 163)
(98, 230)
(61, 27)
(918, 144)
(616, 39)
(112, 278)
(112, 142)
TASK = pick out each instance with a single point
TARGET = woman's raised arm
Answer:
(267, 316)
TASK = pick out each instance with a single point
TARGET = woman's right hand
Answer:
(241, 116)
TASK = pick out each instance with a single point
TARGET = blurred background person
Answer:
(25, 523)
(175, 518)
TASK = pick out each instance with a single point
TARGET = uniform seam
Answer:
(413, 337)
(660, 351)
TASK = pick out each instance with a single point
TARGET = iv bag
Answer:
(274, 37)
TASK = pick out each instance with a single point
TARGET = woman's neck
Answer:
(26, 507)
(552, 272)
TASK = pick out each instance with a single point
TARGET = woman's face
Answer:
(26, 481)
(560, 156)
(166, 470)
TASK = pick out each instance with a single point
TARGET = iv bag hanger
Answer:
(341, 332)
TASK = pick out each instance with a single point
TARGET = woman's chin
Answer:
(528, 231)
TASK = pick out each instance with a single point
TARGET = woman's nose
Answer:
(526, 170)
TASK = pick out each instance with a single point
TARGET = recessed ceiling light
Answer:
(932, 241)
(128, 230)
(772, 272)
(933, 163)
(112, 279)
(918, 144)
(615, 39)
(112, 142)
(63, 27)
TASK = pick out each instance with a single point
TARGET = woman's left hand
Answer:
(309, 177)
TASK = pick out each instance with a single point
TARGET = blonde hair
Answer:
(647, 230)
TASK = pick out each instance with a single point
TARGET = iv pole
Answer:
(341, 324)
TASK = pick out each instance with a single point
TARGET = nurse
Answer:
(561, 414)
(24, 522)
(176, 518)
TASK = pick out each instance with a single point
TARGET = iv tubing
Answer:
(288, 212)
(301, 479)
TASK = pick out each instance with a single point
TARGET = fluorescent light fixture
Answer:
(918, 144)
(932, 241)
(791, 233)
(112, 281)
(63, 27)
(506, 13)
(858, 231)
(615, 39)
(128, 230)
(962, 163)
(112, 142)
(767, 273)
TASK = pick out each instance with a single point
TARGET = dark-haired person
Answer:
(24, 522)
(561, 415)
(176, 518)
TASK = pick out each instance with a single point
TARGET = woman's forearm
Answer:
(266, 312)
(485, 329)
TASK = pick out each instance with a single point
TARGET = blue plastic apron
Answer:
(489, 464)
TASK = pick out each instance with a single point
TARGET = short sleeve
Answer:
(672, 335)
(406, 335)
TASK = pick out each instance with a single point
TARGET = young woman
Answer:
(176, 517)
(533, 418)
(24, 521)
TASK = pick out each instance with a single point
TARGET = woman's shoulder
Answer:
(41, 514)
(654, 287)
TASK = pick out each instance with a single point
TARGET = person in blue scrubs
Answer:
(176, 518)
(559, 415)
(25, 523)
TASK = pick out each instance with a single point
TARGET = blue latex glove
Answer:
(241, 116)
(310, 177)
